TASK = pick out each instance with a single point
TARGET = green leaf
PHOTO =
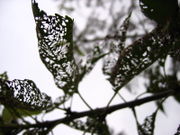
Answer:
(55, 42)
(4, 76)
(10, 114)
(7, 116)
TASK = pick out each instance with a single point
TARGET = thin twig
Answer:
(85, 102)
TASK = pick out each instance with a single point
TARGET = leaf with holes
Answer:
(55, 42)
(23, 94)
(140, 55)
(116, 46)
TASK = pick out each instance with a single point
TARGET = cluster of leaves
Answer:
(121, 64)
(64, 58)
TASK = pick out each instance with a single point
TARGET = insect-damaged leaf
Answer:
(55, 43)
(23, 94)
(140, 55)
(116, 46)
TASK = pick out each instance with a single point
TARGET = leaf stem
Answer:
(84, 101)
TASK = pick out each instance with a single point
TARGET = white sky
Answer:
(19, 57)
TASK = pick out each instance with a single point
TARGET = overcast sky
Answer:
(19, 57)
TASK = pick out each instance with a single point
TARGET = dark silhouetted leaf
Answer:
(55, 41)
(140, 55)
(92, 125)
(116, 47)
(96, 55)
(23, 94)
(7, 116)
(4, 76)
(154, 10)
(158, 82)
(147, 128)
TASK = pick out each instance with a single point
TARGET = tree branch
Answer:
(99, 111)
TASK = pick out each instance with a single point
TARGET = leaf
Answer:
(140, 55)
(94, 57)
(6, 115)
(37, 131)
(147, 128)
(91, 125)
(116, 46)
(153, 10)
(23, 94)
(157, 82)
(4, 76)
(10, 115)
(55, 42)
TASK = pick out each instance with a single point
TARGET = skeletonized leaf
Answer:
(23, 94)
(140, 55)
(116, 47)
(55, 43)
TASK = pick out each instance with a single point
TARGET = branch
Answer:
(99, 111)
